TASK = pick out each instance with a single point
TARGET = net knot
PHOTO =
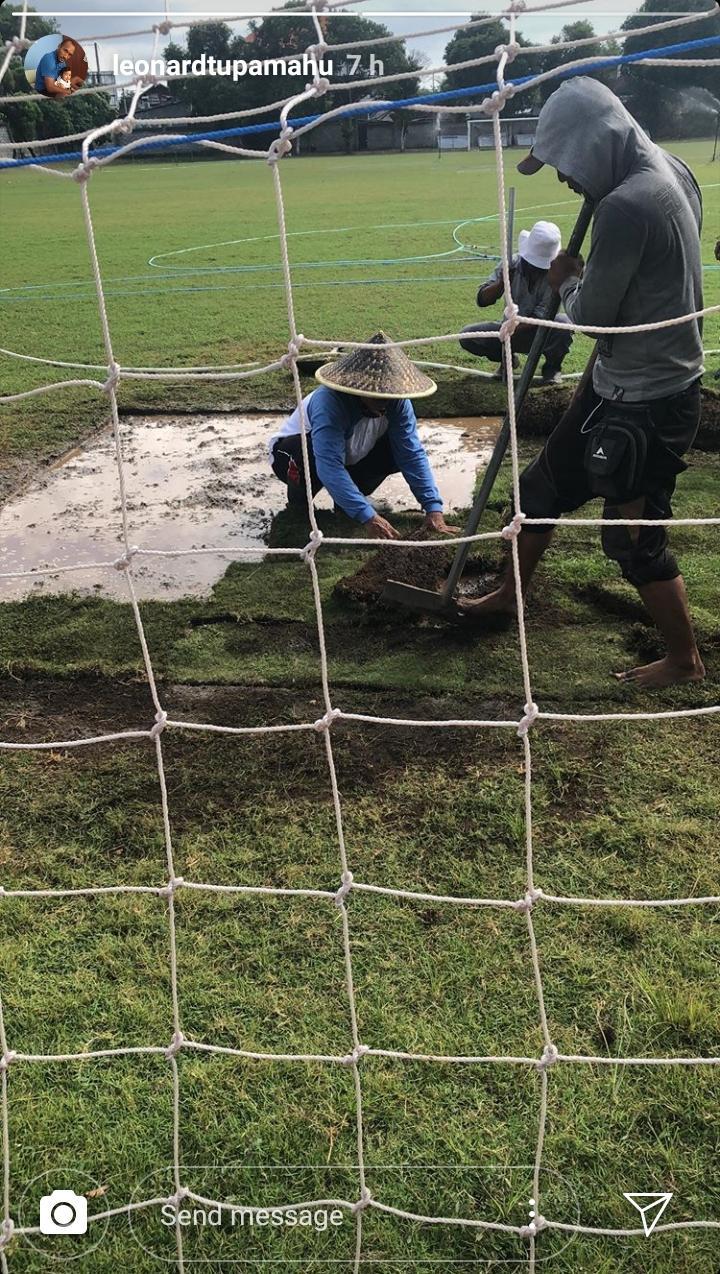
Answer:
(511, 315)
(517, 6)
(510, 50)
(363, 1202)
(173, 1049)
(324, 723)
(351, 1059)
(160, 723)
(549, 1057)
(536, 1225)
(528, 901)
(84, 171)
(281, 146)
(174, 883)
(293, 349)
(123, 563)
(514, 527)
(344, 890)
(181, 1194)
(7, 1059)
(18, 43)
(532, 712)
(6, 1231)
(124, 126)
(497, 100)
(113, 377)
(318, 86)
(164, 28)
(311, 548)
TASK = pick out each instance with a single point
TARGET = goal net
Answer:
(298, 116)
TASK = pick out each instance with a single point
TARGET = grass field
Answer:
(627, 810)
(346, 216)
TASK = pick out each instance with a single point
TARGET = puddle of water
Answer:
(192, 482)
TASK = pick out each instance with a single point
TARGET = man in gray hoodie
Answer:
(630, 423)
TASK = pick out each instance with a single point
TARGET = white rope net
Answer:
(358, 1052)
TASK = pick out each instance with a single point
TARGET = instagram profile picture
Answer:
(56, 66)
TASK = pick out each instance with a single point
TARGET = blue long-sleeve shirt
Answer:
(49, 65)
(332, 416)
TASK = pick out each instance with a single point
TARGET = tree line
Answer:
(672, 102)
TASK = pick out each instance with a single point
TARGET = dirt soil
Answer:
(367, 756)
(192, 483)
(542, 411)
(424, 568)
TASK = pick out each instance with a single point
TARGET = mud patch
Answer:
(368, 757)
(192, 483)
(422, 567)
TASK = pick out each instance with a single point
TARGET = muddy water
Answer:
(191, 482)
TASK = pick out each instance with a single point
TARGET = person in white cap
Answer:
(537, 249)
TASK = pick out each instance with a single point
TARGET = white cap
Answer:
(540, 246)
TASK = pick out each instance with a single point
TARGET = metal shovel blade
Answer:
(423, 599)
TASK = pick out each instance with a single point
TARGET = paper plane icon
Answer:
(650, 1207)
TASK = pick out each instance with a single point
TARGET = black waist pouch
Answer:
(617, 450)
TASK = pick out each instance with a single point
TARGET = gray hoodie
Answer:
(644, 261)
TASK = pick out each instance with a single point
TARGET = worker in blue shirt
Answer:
(49, 68)
(361, 427)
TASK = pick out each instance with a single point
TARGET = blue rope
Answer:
(427, 99)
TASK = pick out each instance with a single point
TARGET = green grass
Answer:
(268, 975)
(628, 810)
(339, 209)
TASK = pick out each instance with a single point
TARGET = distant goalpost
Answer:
(476, 133)
(513, 132)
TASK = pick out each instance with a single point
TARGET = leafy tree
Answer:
(210, 94)
(21, 120)
(275, 37)
(660, 98)
(581, 30)
(36, 26)
(28, 121)
(482, 41)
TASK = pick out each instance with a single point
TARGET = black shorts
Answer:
(558, 481)
(367, 474)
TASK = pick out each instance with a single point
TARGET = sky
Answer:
(86, 19)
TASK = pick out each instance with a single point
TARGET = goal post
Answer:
(513, 132)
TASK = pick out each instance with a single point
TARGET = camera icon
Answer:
(63, 1212)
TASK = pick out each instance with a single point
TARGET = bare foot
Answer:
(664, 672)
(498, 602)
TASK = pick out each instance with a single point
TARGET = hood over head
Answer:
(585, 132)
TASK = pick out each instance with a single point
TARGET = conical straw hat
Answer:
(383, 372)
